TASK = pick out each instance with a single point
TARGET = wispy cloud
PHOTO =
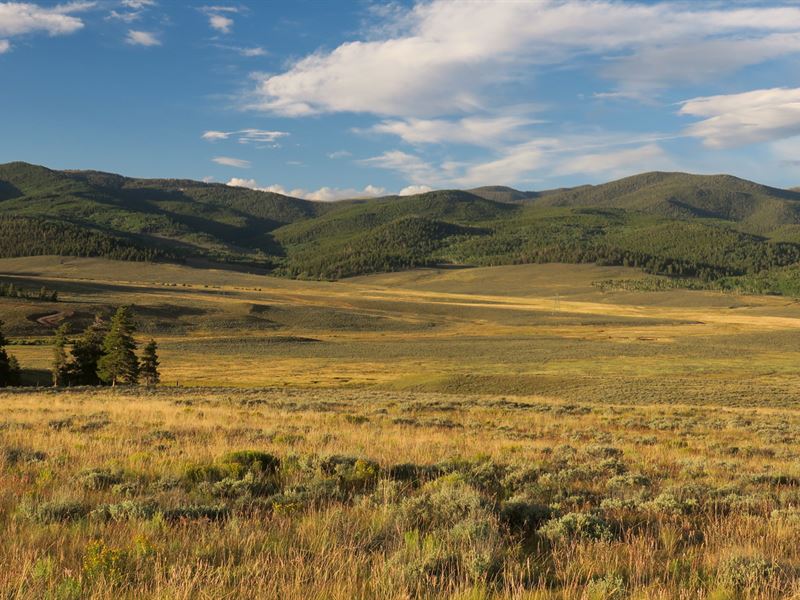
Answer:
(139, 4)
(5, 46)
(340, 154)
(232, 162)
(133, 10)
(603, 155)
(477, 131)
(745, 118)
(142, 38)
(246, 136)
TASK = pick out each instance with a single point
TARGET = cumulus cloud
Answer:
(142, 38)
(221, 23)
(443, 58)
(745, 118)
(218, 18)
(246, 136)
(411, 190)
(19, 18)
(5, 46)
(232, 162)
(323, 194)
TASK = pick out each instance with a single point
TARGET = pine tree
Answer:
(14, 371)
(119, 363)
(148, 369)
(5, 361)
(61, 365)
(87, 352)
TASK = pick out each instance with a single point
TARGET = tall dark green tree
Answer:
(119, 363)
(148, 367)
(61, 365)
(14, 371)
(7, 363)
(87, 352)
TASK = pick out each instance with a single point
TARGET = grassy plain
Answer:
(462, 433)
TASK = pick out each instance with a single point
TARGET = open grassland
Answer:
(525, 330)
(505, 432)
(288, 493)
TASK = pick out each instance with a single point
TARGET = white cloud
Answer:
(340, 154)
(221, 23)
(142, 38)
(208, 179)
(412, 167)
(5, 46)
(246, 136)
(602, 154)
(251, 52)
(19, 18)
(125, 17)
(324, 194)
(478, 131)
(411, 190)
(745, 118)
(444, 58)
(232, 162)
(616, 163)
(216, 135)
(138, 4)
(788, 151)
(697, 62)
(133, 12)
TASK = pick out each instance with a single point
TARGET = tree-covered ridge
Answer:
(676, 224)
(29, 236)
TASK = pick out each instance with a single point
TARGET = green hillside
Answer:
(756, 208)
(675, 224)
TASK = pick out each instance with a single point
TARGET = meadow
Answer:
(504, 432)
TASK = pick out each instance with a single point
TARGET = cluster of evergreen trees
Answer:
(9, 290)
(104, 355)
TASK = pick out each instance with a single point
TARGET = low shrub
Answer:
(576, 526)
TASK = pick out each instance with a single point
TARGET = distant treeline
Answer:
(28, 236)
(10, 290)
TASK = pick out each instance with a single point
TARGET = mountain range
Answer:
(677, 224)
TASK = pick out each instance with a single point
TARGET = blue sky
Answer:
(327, 99)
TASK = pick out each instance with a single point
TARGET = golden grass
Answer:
(540, 388)
(709, 498)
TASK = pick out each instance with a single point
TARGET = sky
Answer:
(330, 99)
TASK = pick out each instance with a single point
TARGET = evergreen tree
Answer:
(148, 369)
(119, 363)
(14, 371)
(87, 352)
(61, 365)
(5, 361)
